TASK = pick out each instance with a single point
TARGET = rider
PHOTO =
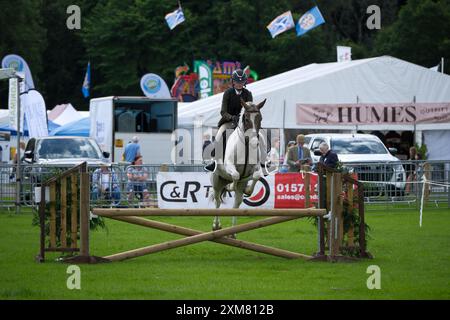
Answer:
(231, 109)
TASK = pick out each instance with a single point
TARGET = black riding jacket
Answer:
(231, 104)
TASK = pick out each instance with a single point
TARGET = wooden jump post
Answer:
(332, 197)
(79, 180)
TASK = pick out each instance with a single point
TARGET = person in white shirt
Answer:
(105, 185)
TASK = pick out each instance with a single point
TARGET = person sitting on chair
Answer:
(105, 184)
(137, 180)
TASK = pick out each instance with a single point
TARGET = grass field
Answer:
(414, 262)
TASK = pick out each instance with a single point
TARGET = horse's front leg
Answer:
(256, 176)
(216, 222)
(217, 195)
(238, 198)
(234, 174)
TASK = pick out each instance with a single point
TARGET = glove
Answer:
(235, 119)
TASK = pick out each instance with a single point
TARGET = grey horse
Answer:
(241, 162)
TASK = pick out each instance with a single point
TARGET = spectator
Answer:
(285, 168)
(409, 167)
(299, 155)
(105, 184)
(329, 158)
(19, 155)
(412, 168)
(132, 150)
(274, 154)
(137, 180)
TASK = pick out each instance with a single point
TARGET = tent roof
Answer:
(4, 126)
(375, 80)
(63, 114)
(79, 128)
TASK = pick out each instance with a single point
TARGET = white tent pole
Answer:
(282, 137)
(442, 64)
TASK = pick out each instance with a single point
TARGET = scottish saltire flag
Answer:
(175, 18)
(281, 24)
(87, 81)
(309, 21)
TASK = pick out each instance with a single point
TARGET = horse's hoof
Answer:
(232, 236)
(216, 227)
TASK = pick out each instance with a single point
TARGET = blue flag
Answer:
(281, 24)
(309, 21)
(175, 18)
(87, 81)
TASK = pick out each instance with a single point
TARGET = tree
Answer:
(21, 33)
(64, 59)
(420, 35)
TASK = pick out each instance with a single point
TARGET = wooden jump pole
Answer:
(336, 223)
(84, 210)
(197, 238)
(226, 241)
(147, 212)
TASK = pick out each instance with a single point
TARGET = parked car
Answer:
(46, 155)
(366, 155)
(64, 151)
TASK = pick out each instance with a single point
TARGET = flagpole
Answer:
(18, 175)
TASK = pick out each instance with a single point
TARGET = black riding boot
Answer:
(211, 167)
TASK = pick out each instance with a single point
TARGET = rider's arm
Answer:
(250, 97)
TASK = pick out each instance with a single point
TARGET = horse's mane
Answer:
(241, 118)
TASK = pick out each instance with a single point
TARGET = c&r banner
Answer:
(193, 190)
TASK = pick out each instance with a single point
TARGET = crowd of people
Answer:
(298, 155)
(106, 183)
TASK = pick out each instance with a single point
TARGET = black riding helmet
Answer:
(239, 76)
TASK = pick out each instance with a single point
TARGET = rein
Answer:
(246, 141)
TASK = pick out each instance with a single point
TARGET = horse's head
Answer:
(252, 118)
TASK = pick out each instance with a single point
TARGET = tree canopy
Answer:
(124, 39)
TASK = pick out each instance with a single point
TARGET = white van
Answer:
(115, 120)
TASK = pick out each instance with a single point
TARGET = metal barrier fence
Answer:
(115, 185)
(398, 184)
(402, 183)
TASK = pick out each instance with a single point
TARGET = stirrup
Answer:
(266, 168)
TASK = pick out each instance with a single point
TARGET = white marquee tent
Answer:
(375, 80)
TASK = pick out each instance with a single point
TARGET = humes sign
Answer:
(355, 114)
